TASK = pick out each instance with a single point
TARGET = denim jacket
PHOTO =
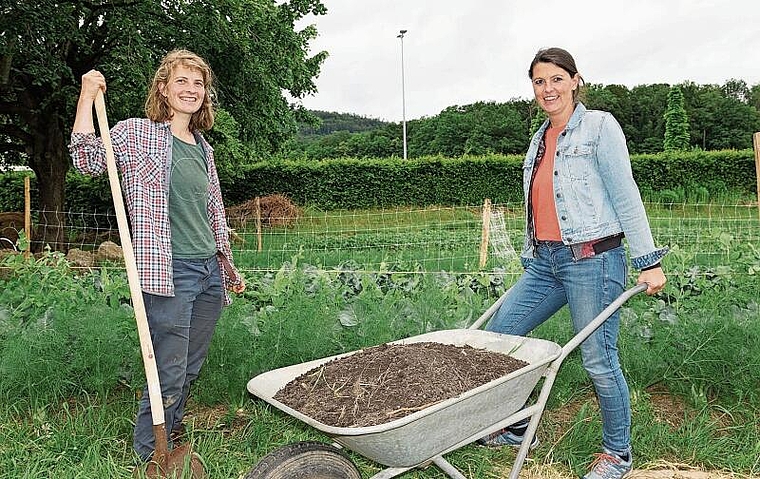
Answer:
(594, 190)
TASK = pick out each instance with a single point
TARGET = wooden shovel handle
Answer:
(146, 345)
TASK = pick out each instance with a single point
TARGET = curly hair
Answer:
(157, 106)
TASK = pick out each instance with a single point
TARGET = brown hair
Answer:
(562, 59)
(157, 106)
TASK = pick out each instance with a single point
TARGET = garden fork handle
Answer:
(141, 317)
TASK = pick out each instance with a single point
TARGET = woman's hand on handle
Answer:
(92, 82)
(654, 278)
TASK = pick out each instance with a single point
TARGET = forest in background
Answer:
(719, 117)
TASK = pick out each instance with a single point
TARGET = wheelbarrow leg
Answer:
(538, 411)
(390, 472)
(446, 467)
(439, 461)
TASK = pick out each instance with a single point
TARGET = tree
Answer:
(719, 119)
(676, 122)
(538, 119)
(737, 89)
(754, 97)
(252, 46)
(330, 121)
(647, 123)
(615, 99)
(478, 128)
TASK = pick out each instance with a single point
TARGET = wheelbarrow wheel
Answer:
(307, 460)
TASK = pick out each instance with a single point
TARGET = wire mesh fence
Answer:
(409, 239)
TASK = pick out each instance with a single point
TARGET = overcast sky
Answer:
(458, 52)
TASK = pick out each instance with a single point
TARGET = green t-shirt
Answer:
(192, 237)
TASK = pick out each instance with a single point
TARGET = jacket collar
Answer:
(577, 116)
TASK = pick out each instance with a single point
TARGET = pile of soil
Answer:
(390, 381)
(10, 224)
(274, 210)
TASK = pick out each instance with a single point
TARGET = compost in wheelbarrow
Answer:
(381, 383)
(422, 435)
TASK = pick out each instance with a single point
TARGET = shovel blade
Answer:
(180, 463)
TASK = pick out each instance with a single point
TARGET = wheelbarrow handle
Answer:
(587, 331)
(610, 309)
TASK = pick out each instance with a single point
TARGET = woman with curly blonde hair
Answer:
(178, 224)
(157, 107)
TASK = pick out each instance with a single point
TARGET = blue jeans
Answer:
(181, 328)
(551, 280)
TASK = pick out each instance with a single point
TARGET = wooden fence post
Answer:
(756, 141)
(259, 246)
(27, 217)
(485, 232)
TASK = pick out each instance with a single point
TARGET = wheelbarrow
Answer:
(425, 436)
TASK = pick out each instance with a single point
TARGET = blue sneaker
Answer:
(610, 466)
(505, 437)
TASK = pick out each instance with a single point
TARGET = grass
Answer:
(70, 368)
(432, 239)
(449, 239)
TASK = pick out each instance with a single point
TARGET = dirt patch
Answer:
(680, 471)
(221, 419)
(387, 382)
(668, 408)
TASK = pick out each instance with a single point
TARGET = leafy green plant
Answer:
(62, 332)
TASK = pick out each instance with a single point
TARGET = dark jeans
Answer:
(181, 328)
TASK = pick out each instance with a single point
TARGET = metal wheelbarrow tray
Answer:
(426, 435)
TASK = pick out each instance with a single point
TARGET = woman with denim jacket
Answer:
(178, 223)
(581, 200)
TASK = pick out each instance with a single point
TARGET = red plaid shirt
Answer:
(143, 156)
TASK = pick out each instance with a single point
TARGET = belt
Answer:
(594, 247)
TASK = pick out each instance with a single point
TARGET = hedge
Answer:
(350, 183)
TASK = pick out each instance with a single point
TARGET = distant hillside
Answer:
(719, 118)
(331, 122)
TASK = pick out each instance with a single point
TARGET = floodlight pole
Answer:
(403, 93)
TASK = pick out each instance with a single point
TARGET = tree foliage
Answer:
(716, 117)
(47, 45)
(676, 122)
(330, 122)
(479, 128)
(538, 119)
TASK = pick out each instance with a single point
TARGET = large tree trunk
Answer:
(52, 221)
(50, 162)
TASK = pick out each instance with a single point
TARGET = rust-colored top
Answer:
(544, 208)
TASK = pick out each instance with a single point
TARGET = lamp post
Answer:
(403, 93)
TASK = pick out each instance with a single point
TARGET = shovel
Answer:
(181, 460)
